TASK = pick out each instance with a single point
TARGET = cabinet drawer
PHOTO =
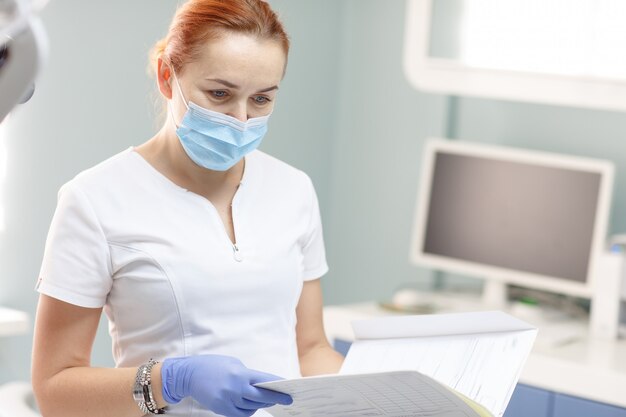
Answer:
(530, 402)
(567, 406)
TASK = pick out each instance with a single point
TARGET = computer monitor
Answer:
(512, 216)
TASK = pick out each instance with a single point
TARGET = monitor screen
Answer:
(515, 212)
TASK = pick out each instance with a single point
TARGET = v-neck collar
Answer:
(246, 177)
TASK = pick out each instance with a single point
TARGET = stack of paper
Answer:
(448, 365)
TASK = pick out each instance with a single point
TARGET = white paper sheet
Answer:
(481, 355)
(479, 322)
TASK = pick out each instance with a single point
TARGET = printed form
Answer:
(393, 394)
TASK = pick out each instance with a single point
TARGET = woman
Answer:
(204, 253)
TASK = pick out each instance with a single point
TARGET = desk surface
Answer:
(13, 322)
(573, 363)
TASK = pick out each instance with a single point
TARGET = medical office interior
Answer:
(356, 112)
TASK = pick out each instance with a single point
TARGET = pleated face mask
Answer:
(215, 140)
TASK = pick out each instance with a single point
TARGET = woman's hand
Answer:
(222, 384)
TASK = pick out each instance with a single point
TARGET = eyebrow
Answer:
(231, 85)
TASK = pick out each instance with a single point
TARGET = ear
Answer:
(164, 78)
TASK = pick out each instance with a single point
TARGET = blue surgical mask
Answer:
(215, 140)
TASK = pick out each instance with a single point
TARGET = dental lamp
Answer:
(23, 47)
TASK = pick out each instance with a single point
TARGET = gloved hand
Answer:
(222, 384)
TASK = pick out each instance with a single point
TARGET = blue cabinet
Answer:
(534, 402)
(530, 402)
(567, 406)
(341, 346)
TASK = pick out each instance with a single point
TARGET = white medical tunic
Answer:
(158, 259)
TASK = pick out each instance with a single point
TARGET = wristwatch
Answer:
(142, 389)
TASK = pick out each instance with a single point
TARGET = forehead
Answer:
(242, 59)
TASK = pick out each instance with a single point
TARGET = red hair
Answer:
(199, 21)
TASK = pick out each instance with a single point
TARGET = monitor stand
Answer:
(495, 294)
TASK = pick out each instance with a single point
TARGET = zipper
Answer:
(236, 253)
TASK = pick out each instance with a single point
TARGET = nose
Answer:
(239, 111)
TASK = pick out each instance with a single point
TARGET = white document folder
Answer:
(475, 357)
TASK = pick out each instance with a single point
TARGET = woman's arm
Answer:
(316, 355)
(64, 383)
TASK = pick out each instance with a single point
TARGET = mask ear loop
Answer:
(180, 91)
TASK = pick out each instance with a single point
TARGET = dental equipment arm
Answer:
(23, 46)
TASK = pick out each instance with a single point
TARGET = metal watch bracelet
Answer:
(142, 389)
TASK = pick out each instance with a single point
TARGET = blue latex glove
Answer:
(222, 384)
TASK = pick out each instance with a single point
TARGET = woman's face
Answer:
(236, 74)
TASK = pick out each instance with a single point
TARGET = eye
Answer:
(218, 94)
(261, 100)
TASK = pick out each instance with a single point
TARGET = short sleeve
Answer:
(313, 250)
(76, 262)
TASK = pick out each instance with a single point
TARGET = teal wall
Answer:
(382, 123)
(346, 115)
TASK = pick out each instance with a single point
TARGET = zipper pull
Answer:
(236, 253)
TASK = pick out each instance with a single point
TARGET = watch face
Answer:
(138, 394)
(142, 390)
